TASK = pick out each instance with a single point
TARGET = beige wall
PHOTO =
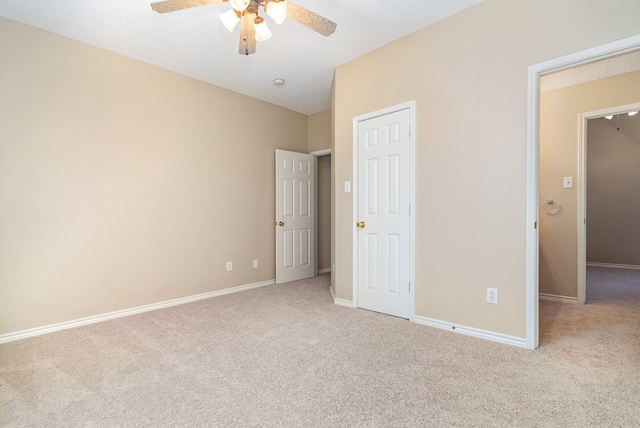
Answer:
(468, 75)
(559, 110)
(122, 184)
(319, 131)
(613, 187)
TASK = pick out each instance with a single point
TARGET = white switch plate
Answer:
(567, 183)
(347, 186)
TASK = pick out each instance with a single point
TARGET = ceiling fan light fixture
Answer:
(632, 113)
(230, 19)
(252, 27)
(239, 5)
(277, 10)
(609, 117)
(262, 31)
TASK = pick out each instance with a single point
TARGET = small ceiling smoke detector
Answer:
(278, 82)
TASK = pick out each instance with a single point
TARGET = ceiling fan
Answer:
(252, 26)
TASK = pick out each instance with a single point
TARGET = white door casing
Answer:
(384, 205)
(295, 216)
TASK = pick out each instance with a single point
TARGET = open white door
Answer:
(295, 216)
(384, 189)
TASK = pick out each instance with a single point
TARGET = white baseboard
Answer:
(474, 332)
(126, 312)
(556, 298)
(324, 270)
(613, 265)
(469, 331)
(341, 302)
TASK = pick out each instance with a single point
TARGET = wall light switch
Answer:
(347, 186)
(567, 183)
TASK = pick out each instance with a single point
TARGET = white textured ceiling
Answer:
(592, 71)
(193, 42)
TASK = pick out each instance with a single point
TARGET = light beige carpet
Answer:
(286, 356)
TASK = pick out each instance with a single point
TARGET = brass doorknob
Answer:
(280, 223)
(360, 224)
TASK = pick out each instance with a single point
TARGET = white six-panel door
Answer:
(384, 213)
(295, 216)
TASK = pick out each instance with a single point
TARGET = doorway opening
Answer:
(323, 210)
(533, 165)
(610, 182)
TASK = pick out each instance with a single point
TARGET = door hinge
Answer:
(409, 286)
(535, 224)
(409, 131)
(409, 209)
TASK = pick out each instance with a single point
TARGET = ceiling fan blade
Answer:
(310, 20)
(247, 34)
(173, 5)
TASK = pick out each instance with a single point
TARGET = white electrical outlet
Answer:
(229, 266)
(255, 263)
(492, 295)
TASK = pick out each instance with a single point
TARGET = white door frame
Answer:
(533, 163)
(582, 189)
(411, 105)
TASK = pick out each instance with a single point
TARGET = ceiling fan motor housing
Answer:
(253, 6)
